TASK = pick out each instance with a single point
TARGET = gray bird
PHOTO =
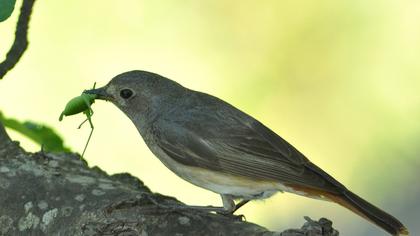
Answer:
(211, 144)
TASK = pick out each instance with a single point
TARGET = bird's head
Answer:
(140, 94)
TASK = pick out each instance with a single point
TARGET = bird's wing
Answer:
(239, 146)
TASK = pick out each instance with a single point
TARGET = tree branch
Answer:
(58, 194)
(21, 38)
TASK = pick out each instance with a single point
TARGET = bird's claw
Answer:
(230, 215)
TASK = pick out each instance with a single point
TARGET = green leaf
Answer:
(38, 133)
(6, 9)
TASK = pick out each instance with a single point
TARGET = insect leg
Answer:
(88, 103)
(88, 115)
(88, 112)
(80, 126)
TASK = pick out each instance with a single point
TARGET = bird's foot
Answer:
(145, 200)
(230, 215)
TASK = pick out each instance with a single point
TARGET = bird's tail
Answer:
(370, 212)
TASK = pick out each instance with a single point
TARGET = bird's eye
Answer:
(126, 93)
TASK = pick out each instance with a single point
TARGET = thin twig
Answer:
(21, 38)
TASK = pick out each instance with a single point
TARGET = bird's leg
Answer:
(228, 206)
(240, 204)
(227, 209)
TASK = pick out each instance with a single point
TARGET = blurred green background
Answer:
(340, 80)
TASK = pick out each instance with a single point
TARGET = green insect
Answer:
(80, 104)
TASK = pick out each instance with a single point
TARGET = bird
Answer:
(216, 146)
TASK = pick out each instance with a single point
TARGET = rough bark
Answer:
(58, 194)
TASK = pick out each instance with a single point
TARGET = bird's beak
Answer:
(100, 93)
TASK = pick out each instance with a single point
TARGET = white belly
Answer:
(237, 186)
(219, 182)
